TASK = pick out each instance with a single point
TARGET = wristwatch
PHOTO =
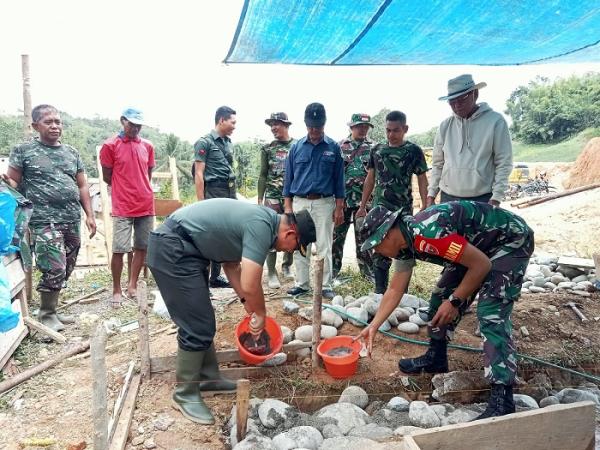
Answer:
(455, 301)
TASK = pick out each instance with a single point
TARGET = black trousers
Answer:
(181, 274)
(484, 198)
(218, 189)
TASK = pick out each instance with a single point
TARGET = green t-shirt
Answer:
(49, 180)
(226, 230)
(217, 153)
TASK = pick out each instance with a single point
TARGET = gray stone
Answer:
(534, 274)
(291, 307)
(371, 306)
(354, 304)
(549, 285)
(584, 286)
(581, 293)
(524, 331)
(570, 395)
(393, 319)
(550, 400)
(306, 313)
(348, 299)
(298, 437)
(546, 260)
(406, 430)
(272, 412)
(546, 271)
(288, 334)
(416, 318)
(524, 291)
(163, 422)
(536, 289)
(579, 279)
(558, 278)
(398, 404)
(355, 395)
(328, 331)
(304, 333)
(552, 308)
(328, 317)
(460, 415)
(539, 281)
(408, 327)
(527, 284)
(411, 301)
(331, 431)
(149, 443)
(569, 272)
(525, 401)
(350, 443)
(374, 406)
(255, 442)
(423, 303)
(303, 352)
(276, 360)
(138, 440)
(409, 310)
(421, 415)
(461, 386)
(357, 313)
(337, 300)
(403, 314)
(372, 431)
(339, 310)
(385, 326)
(347, 415)
(390, 419)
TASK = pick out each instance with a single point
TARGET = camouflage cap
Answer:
(278, 117)
(378, 223)
(360, 118)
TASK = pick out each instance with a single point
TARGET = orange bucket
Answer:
(273, 330)
(340, 366)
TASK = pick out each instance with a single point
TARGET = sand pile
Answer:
(586, 170)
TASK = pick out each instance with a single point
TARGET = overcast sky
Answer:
(95, 58)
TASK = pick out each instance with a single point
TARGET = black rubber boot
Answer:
(47, 315)
(435, 360)
(210, 371)
(381, 280)
(501, 402)
(186, 397)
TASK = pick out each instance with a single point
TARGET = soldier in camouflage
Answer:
(485, 250)
(270, 185)
(51, 175)
(356, 151)
(391, 167)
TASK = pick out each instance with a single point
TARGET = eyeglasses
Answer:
(461, 99)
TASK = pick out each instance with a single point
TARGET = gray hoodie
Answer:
(473, 156)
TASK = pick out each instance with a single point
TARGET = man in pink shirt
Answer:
(127, 162)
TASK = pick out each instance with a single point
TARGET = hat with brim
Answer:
(305, 226)
(377, 225)
(461, 85)
(278, 117)
(135, 116)
(359, 119)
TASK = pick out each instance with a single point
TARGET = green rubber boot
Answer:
(210, 371)
(186, 397)
(47, 315)
(273, 279)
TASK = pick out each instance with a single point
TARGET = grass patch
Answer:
(565, 151)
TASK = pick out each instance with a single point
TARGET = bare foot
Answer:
(116, 301)
(131, 294)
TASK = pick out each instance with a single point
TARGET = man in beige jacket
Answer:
(472, 153)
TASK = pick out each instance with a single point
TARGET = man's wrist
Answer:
(455, 301)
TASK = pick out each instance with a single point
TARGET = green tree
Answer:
(378, 120)
(424, 139)
(11, 133)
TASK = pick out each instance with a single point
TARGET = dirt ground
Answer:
(57, 403)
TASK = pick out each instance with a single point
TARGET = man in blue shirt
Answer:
(314, 181)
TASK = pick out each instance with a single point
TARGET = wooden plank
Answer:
(317, 305)
(556, 427)
(99, 388)
(119, 440)
(242, 400)
(77, 300)
(160, 364)
(144, 342)
(10, 341)
(174, 179)
(16, 276)
(596, 258)
(112, 423)
(40, 327)
(408, 443)
(584, 263)
(106, 209)
(231, 373)
(164, 207)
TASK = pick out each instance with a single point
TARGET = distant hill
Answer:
(564, 151)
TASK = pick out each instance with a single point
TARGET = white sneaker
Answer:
(274, 281)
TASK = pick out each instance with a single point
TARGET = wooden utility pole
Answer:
(27, 132)
(317, 304)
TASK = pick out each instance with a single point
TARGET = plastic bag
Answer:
(8, 204)
(8, 318)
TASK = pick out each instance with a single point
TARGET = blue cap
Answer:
(134, 116)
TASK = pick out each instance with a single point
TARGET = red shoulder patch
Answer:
(450, 247)
(202, 151)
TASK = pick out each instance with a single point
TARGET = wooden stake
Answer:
(546, 198)
(99, 389)
(242, 401)
(174, 179)
(83, 297)
(27, 133)
(112, 424)
(119, 440)
(27, 374)
(38, 326)
(144, 343)
(106, 207)
(317, 302)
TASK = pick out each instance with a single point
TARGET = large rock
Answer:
(349, 299)
(372, 431)
(304, 333)
(328, 317)
(570, 395)
(460, 387)
(328, 331)
(291, 307)
(406, 430)
(416, 318)
(331, 431)
(288, 334)
(272, 412)
(302, 352)
(255, 442)
(550, 400)
(421, 415)
(371, 306)
(569, 272)
(525, 401)
(539, 281)
(449, 415)
(393, 319)
(403, 314)
(337, 300)
(347, 415)
(410, 301)
(306, 313)
(408, 327)
(565, 285)
(558, 278)
(355, 395)
(385, 326)
(276, 360)
(298, 437)
(351, 443)
(358, 313)
(398, 404)
(390, 419)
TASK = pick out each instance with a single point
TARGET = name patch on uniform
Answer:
(450, 247)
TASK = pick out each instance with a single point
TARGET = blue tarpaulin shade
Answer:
(365, 32)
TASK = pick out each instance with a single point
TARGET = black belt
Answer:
(314, 196)
(176, 228)
(221, 183)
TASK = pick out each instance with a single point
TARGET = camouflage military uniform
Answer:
(394, 168)
(49, 181)
(441, 233)
(270, 183)
(356, 156)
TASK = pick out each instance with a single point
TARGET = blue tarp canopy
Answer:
(365, 32)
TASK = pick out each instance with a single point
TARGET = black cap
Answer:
(305, 226)
(314, 115)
